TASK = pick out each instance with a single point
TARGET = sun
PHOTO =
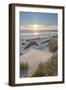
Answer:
(35, 26)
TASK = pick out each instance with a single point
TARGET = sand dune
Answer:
(34, 57)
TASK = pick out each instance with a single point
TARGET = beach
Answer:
(34, 57)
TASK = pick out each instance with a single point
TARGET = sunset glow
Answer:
(38, 21)
(35, 26)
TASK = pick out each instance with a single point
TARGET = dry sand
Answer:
(34, 57)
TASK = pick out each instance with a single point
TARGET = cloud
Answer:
(38, 27)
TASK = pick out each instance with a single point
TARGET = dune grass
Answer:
(24, 65)
(47, 69)
(53, 44)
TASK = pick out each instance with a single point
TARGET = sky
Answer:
(38, 21)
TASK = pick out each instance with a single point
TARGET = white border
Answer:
(40, 79)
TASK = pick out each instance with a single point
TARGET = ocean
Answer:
(30, 34)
